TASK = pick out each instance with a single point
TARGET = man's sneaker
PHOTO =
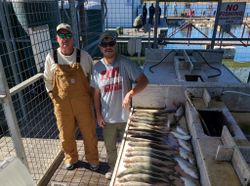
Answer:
(93, 167)
(108, 175)
(69, 166)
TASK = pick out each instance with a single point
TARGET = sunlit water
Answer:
(242, 54)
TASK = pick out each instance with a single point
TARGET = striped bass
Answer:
(149, 154)
(147, 136)
(186, 155)
(148, 159)
(129, 138)
(188, 181)
(145, 120)
(171, 142)
(180, 136)
(142, 128)
(184, 144)
(159, 152)
(151, 114)
(143, 178)
(165, 143)
(146, 132)
(151, 167)
(151, 117)
(133, 117)
(187, 167)
(136, 170)
(153, 131)
(134, 183)
(181, 131)
(141, 124)
(150, 110)
(149, 144)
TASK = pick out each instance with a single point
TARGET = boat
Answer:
(229, 51)
(214, 101)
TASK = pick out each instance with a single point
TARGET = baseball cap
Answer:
(108, 34)
(64, 26)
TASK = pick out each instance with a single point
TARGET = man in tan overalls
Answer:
(66, 75)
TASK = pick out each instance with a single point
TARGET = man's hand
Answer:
(127, 100)
(50, 94)
(142, 82)
(100, 121)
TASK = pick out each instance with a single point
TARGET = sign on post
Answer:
(231, 13)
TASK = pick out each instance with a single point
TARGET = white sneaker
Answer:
(108, 175)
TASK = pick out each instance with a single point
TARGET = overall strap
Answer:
(55, 56)
(78, 55)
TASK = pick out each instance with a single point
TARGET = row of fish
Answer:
(158, 151)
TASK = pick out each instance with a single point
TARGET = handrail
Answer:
(2, 96)
(25, 83)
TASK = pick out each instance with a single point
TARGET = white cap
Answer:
(64, 26)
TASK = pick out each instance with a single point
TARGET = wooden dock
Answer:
(130, 33)
(200, 18)
(82, 175)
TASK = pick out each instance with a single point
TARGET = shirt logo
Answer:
(106, 74)
(114, 82)
(113, 87)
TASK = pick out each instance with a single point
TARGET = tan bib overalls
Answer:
(72, 105)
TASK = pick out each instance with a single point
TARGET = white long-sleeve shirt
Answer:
(50, 65)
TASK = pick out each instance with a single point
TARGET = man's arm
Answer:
(97, 103)
(48, 75)
(142, 82)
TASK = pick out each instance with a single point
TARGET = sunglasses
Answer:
(65, 35)
(107, 44)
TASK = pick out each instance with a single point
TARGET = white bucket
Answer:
(14, 173)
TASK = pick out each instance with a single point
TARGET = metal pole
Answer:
(149, 37)
(248, 78)
(103, 14)
(59, 15)
(6, 35)
(62, 10)
(133, 13)
(74, 21)
(105, 11)
(83, 25)
(11, 48)
(165, 9)
(155, 45)
(11, 117)
(216, 24)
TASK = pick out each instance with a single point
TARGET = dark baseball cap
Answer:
(108, 34)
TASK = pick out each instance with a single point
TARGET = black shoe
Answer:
(69, 166)
(93, 167)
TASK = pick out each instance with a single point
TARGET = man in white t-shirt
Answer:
(112, 79)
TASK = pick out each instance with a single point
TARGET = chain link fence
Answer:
(27, 124)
